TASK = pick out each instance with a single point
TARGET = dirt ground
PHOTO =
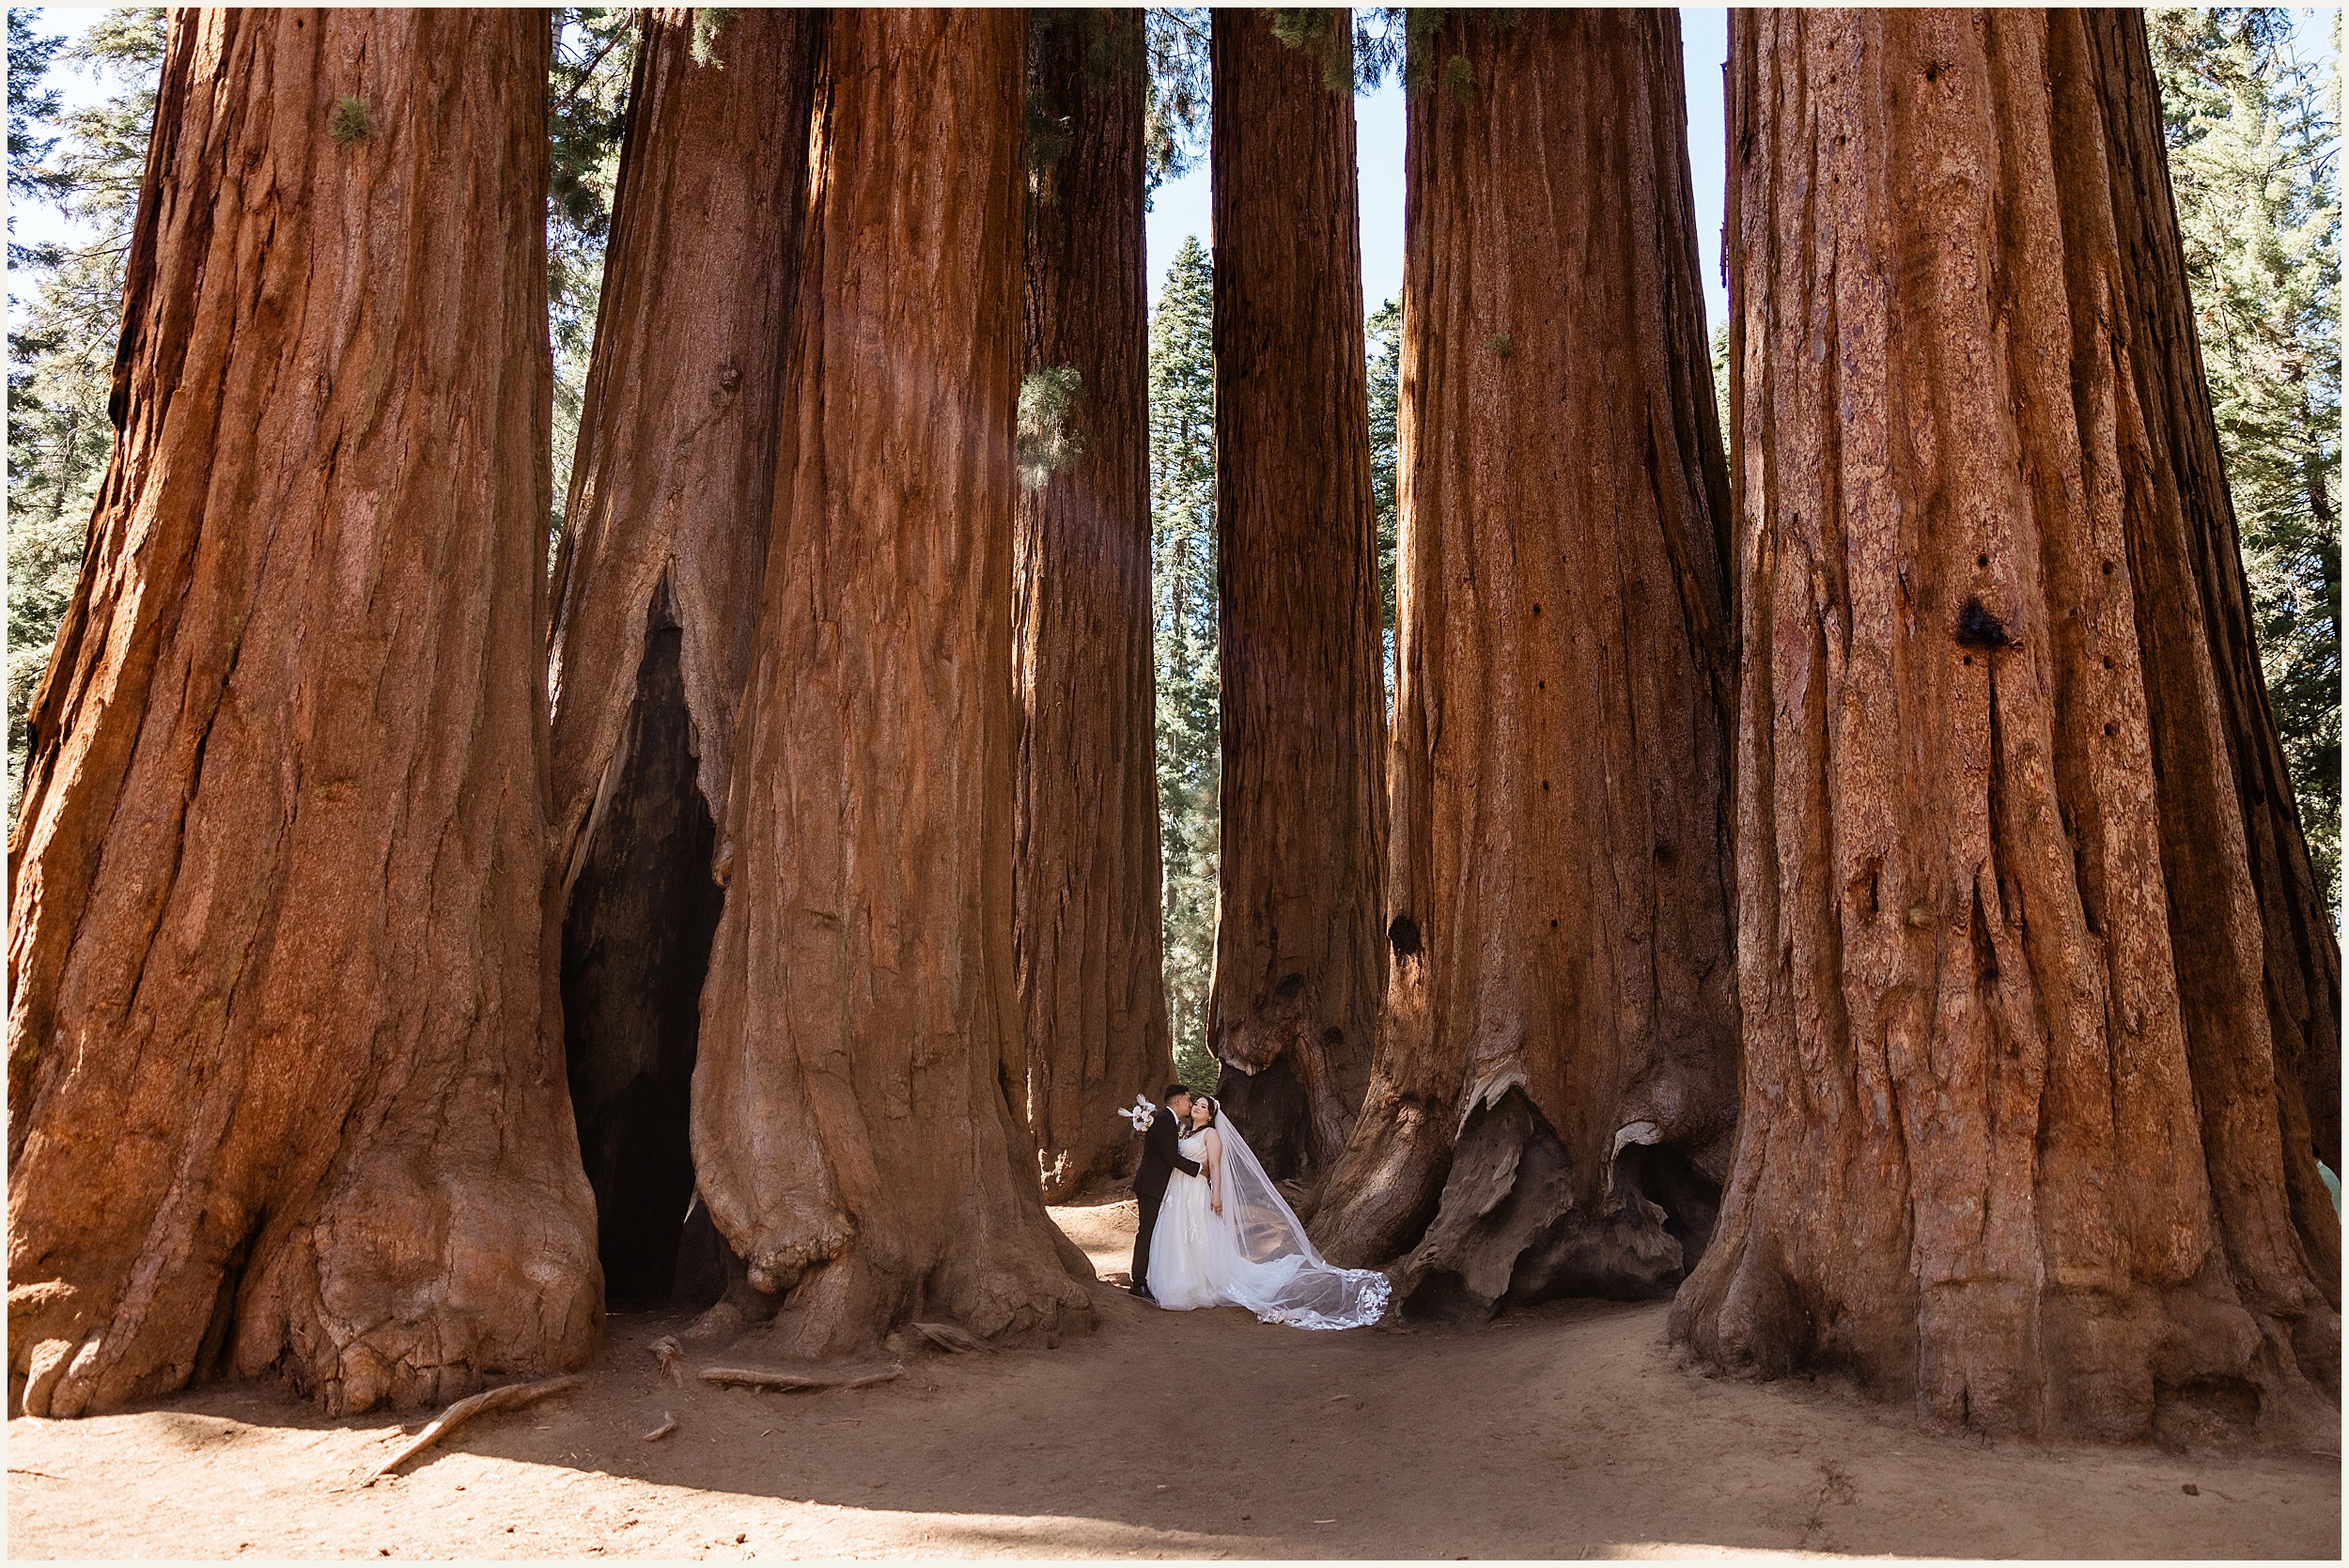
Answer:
(1566, 1432)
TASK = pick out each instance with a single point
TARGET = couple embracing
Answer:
(1216, 1231)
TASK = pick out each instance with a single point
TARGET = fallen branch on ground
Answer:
(511, 1397)
(667, 1426)
(791, 1382)
(671, 1356)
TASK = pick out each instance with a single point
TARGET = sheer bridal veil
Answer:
(1280, 1275)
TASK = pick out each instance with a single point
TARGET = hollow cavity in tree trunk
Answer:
(635, 949)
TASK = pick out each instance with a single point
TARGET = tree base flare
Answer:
(1508, 1234)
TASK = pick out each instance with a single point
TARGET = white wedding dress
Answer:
(1254, 1254)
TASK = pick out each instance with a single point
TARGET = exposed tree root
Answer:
(1508, 1232)
(778, 1381)
(511, 1397)
(949, 1338)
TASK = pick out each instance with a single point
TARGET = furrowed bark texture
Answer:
(1556, 1078)
(285, 1075)
(657, 587)
(1293, 1006)
(856, 1126)
(1091, 985)
(2015, 1138)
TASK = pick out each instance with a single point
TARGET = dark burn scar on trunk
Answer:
(1977, 628)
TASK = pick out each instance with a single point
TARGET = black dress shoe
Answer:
(1144, 1291)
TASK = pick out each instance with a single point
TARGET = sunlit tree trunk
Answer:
(2016, 1138)
(286, 1083)
(1556, 1074)
(1086, 874)
(657, 586)
(856, 1126)
(1297, 960)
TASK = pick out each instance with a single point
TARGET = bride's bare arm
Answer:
(1214, 1163)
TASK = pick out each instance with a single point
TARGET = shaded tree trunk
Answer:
(1298, 963)
(657, 587)
(1086, 874)
(1556, 1075)
(857, 1129)
(2014, 1136)
(277, 885)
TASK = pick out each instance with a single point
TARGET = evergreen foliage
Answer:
(708, 22)
(2254, 134)
(1721, 382)
(595, 55)
(1382, 336)
(352, 121)
(1174, 123)
(1046, 441)
(1183, 606)
(65, 312)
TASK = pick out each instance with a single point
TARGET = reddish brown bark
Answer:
(857, 1129)
(278, 884)
(1298, 957)
(657, 587)
(1556, 1075)
(1086, 872)
(2014, 1138)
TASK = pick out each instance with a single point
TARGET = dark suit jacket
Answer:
(1160, 1159)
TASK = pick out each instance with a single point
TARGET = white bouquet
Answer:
(1141, 1114)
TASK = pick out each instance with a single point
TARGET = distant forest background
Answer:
(2253, 126)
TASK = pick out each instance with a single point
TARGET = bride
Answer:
(1227, 1237)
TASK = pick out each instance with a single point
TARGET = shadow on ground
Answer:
(1562, 1431)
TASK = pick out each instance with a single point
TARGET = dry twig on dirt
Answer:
(671, 1356)
(668, 1425)
(511, 1397)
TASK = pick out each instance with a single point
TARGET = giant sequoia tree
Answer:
(2020, 1135)
(1086, 876)
(276, 888)
(1556, 1074)
(857, 1129)
(657, 586)
(1298, 957)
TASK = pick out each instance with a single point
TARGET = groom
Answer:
(1161, 1159)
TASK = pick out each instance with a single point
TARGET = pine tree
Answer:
(1182, 522)
(1382, 336)
(2253, 135)
(61, 356)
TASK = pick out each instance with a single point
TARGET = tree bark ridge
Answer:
(1091, 967)
(1292, 1004)
(2014, 1128)
(1555, 1084)
(278, 884)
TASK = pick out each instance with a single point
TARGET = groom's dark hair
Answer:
(1172, 1090)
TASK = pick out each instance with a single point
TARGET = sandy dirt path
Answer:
(1564, 1432)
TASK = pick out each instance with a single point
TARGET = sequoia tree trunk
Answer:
(1089, 956)
(1556, 1075)
(2015, 1140)
(283, 1064)
(857, 1127)
(657, 588)
(1297, 961)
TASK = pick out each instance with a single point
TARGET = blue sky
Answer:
(1181, 207)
